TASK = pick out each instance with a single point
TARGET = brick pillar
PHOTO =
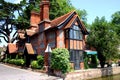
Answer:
(82, 65)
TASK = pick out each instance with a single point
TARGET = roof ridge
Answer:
(64, 15)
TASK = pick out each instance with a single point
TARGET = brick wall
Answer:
(60, 39)
(92, 73)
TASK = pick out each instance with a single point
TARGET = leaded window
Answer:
(76, 55)
(75, 33)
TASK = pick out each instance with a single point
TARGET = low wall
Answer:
(92, 73)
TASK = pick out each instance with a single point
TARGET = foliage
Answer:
(6, 60)
(40, 61)
(116, 22)
(34, 64)
(94, 61)
(104, 39)
(38, 64)
(19, 62)
(60, 59)
(59, 7)
(7, 20)
(86, 63)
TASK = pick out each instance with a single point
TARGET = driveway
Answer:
(11, 73)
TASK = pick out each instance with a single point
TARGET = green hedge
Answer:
(19, 62)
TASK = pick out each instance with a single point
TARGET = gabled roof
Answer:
(67, 20)
(70, 22)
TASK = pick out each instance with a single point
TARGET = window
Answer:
(71, 56)
(75, 33)
(76, 55)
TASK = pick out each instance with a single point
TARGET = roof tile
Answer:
(70, 22)
(61, 19)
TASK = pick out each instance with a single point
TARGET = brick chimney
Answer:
(44, 10)
(44, 14)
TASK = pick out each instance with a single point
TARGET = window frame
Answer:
(74, 34)
(74, 53)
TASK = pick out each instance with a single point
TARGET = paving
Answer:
(12, 73)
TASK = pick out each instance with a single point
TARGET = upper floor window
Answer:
(75, 33)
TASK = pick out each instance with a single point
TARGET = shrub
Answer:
(40, 61)
(19, 62)
(6, 60)
(60, 60)
(12, 61)
(34, 64)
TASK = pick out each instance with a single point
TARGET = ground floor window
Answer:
(76, 56)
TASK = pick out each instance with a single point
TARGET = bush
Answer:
(34, 64)
(19, 62)
(60, 60)
(6, 60)
(40, 61)
(12, 61)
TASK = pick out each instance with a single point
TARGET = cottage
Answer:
(66, 31)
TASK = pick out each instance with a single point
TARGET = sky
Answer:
(93, 8)
(97, 8)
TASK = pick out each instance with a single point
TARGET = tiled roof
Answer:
(12, 48)
(70, 22)
(29, 48)
(61, 19)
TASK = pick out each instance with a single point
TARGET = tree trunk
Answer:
(102, 60)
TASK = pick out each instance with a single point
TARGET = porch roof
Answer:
(90, 52)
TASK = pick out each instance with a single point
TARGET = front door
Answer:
(76, 60)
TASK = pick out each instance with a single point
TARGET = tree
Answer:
(104, 39)
(116, 22)
(6, 20)
(57, 9)
(61, 7)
